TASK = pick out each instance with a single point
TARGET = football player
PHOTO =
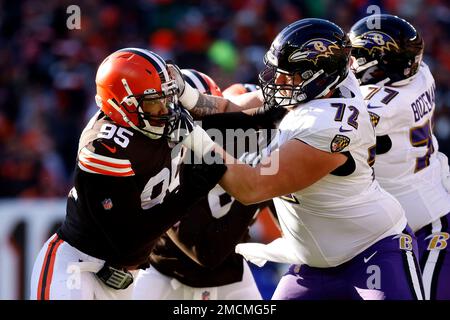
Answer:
(400, 94)
(195, 259)
(348, 234)
(127, 190)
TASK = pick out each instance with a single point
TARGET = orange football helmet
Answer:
(127, 78)
(201, 82)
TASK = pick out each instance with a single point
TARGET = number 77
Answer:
(421, 137)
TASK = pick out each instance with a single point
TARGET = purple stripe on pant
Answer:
(434, 257)
(386, 270)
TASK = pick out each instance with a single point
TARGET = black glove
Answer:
(269, 115)
(199, 179)
(185, 126)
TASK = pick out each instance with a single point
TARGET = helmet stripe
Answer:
(154, 59)
(196, 80)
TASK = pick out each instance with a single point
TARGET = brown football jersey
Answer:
(124, 194)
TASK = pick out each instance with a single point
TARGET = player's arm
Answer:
(113, 203)
(201, 105)
(207, 240)
(208, 104)
(293, 167)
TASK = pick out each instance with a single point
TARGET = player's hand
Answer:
(187, 95)
(269, 115)
(199, 179)
(185, 127)
(191, 135)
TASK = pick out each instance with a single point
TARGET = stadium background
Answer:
(47, 88)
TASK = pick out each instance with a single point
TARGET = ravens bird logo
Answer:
(375, 40)
(313, 50)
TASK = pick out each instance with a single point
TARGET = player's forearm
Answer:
(241, 181)
(246, 184)
(208, 238)
(207, 105)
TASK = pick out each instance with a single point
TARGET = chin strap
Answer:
(131, 100)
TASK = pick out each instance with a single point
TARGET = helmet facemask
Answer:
(299, 87)
(368, 72)
(280, 95)
(153, 124)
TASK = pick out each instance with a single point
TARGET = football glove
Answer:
(191, 135)
(185, 127)
(269, 115)
(199, 179)
(187, 95)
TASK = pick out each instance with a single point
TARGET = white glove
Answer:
(279, 250)
(445, 171)
(198, 141)
(191, 135)
(187, 95)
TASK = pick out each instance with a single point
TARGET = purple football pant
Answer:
(434, 257)
(388, 270)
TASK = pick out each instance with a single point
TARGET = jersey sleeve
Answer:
(93, 162)
(103, 149)
(319, 129)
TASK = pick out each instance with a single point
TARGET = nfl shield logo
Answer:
(107, 204)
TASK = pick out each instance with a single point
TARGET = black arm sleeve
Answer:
(231, 120)
(240, 120)
(208, 240)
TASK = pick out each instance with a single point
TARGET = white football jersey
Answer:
(410, 170)
(339, 216)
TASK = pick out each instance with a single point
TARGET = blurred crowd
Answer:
(47, 78)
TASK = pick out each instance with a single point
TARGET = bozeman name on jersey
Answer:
(117, 208)
(406, 163)
(345, 212)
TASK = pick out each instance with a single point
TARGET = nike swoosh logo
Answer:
(371, 256)
(369, 106)
(111, 149)
(344, 130)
